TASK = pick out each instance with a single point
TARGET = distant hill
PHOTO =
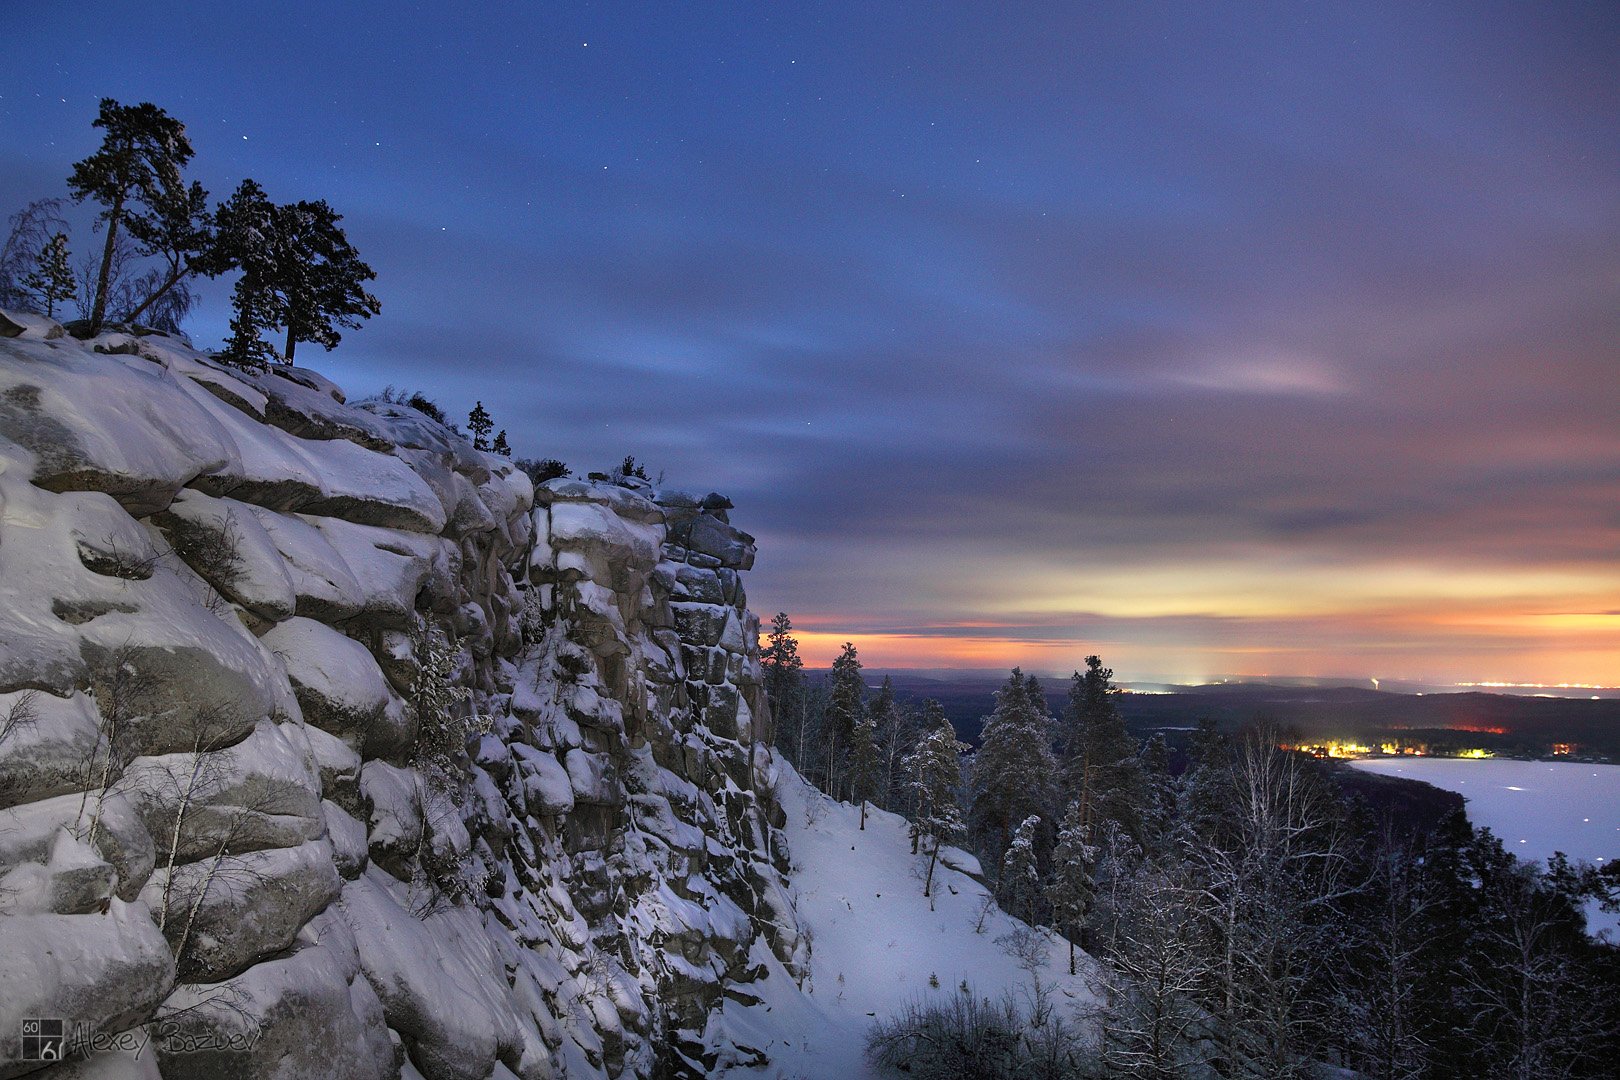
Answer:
(1501, 723)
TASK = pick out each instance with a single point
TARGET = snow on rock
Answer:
(339, 685)
(48, 739)
(26, 324)
(395, 825)
(388, 566)
(104, 423)
(449, 1008)
(324, 587)
(73, 881)
(307, 1013)
(348, 838)
(226, 544)
(109, 970)
(263, 792)
(369, 488)
(108, 822)
(546, 783)
(227, 911)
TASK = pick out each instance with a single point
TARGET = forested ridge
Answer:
(1251, 915)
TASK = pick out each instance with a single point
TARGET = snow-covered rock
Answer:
(107, 970)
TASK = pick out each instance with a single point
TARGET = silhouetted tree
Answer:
(135, 176)
(846, 703)
(479, 423)
(1100, 762)
(299, 270)
(52, 279)
(28, 231)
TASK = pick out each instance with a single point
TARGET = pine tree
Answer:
(1013, 770)
(321, 280)
(1158, 813)
(846, 703)
(781, 666)
(52, 280)
(935, 767)
(135, 175)
(27, 232)
(1020, 882)
(863, 760)
(1100, 761)
(500, 445)
(479, 423)
(246, 347)
(896, 731)
(932, 721)
(180, 231)
(1074, 861)
(300, 270)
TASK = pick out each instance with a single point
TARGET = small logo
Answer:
(43, 1039)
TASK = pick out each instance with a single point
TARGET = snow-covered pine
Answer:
(52, 280)
(935, 768)
(1019, 886)
(1074, 860)
(1013, 770)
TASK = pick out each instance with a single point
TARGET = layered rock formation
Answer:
(326, 735)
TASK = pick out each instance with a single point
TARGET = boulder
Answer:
(48, 741)
(31, 834)
(106, 970)
(339, 685)
(226, 544)
(262, 793)
(301, 1015)
(94, 423)
(448, 1000)
(246, 907)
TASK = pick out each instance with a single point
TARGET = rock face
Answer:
(330, 746)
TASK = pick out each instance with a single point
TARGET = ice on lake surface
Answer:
(1535, 807)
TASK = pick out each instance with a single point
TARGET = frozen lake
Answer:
(1535, 807)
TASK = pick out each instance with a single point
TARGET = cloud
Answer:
(1197, 333)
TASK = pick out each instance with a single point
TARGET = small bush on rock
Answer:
(544, 469)
(442, 733)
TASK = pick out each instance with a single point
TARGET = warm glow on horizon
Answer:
(1191, 619)
(1544, 660)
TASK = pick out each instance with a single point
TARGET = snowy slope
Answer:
(875, 942)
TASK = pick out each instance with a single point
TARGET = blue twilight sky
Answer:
(1248, 338)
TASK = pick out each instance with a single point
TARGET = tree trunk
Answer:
(928, 883)
(173, 280)
(292, 342)
(98, 310)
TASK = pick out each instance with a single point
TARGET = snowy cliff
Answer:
(249, 633)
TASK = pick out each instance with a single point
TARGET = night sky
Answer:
(1271, 338)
